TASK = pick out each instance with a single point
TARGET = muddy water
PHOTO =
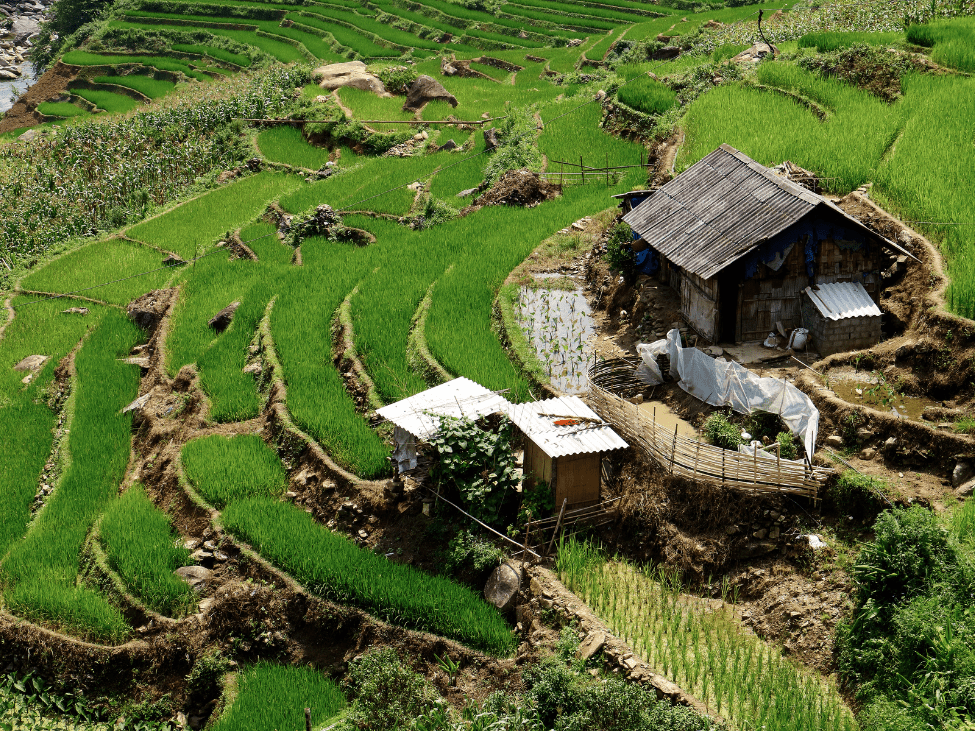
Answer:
(667, 419)
(880, 396)
(559, 324)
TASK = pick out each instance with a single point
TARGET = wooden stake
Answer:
(583, 170)
(528, 529)
(557, 524)
(673, 451)
(607, 169)
(307, 719)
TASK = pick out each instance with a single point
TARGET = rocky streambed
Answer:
(19, 25)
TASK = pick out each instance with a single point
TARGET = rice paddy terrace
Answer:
(359, 268)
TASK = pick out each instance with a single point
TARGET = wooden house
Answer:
(564, 443)
(740, 244)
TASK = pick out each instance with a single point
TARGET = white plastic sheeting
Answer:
(726, 383)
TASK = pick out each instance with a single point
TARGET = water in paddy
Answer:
(881, 396)
(558, 323)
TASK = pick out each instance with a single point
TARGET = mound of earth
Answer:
(517, 188)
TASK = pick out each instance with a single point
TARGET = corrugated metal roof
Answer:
(841, 300)
(721, 208)
(460, 397)
(537, 421)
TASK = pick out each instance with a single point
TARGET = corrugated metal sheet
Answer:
(841, 300)
(537, 421)
(460, 397)
(721, 208)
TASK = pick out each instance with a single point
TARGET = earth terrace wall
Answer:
(346, 359)
(418, 353)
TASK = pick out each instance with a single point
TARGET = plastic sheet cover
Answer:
(726, 383)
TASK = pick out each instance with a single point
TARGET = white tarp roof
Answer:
(460, 398)
(537, 421)
(841, 300)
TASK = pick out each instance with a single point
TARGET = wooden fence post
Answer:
(557, 524)
(582, 170)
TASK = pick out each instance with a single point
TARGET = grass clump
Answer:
(337, 569)
(721, 432)
(143, 548)
(271, 697)
(228, 470)
(859, 495)
(647, 95)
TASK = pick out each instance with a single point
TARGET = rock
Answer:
(206, 605)
(963, 472)
(835, 441)
(32, 363)
(756, 53)
(172, 261)
(868, 453)
(253, 369)
(591, 645)
(350, 73)
(713, 24)
(75, 311)
(138, 403)
(890, 445)
(465, 193)
(8, 74)
(966, 489)
(426, 89)
(665, 53)
(146, 311)
(449, 145)
(491, 138)
(814, 541)
(195, 576)
(760, 534)
(502, 587)
(221, 321)
(184, 379)
(575, 42)
(23, 28)
(714, 351)
(29, 135)
(774, 534)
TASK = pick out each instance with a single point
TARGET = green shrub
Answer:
(386, 692)
(397, 79)
(721, 432)
(859, 495)
(647, 95)
(517, 145)
(467, 549)
(787, 445)
(478, 462)
(203, 682)
(619, 248)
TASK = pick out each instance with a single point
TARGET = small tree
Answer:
(478, 462)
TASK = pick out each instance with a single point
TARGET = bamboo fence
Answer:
(696, 460)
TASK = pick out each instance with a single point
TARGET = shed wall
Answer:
(578, 480)
(840, 336)
(699, 303)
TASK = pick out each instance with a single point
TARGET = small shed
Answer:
(416, 419)
(840, 317)
(564, 444)
(740, 244)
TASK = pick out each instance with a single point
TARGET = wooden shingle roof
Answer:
(721, 208)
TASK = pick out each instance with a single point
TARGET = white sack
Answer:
(649, 371)
(726, 383)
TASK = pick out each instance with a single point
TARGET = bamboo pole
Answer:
(557, 524)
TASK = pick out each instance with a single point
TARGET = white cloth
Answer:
(726, 383)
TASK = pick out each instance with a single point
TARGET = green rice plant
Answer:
(335, 568)
(929, 170)
(647, 95)
(217, 53)
(952, 41)
(26, 422)
(845, 149)
(144, 550)
(227, 470)
(108, 100)
(579, 10)
(701, 647)
(39, 574)
(152, 88)
(833, 41)
(102, 261)
(373, 26)
(60, 109)
(85, 58)
(462, 13)
(191, 227)
(576, 25)
(271, 697)
(652, 28)
(599, 50)
(348, 37)
(284, 143)
(366, 105)
(262, 239)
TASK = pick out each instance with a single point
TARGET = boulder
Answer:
(29, 135)
(963, 472)
(467, 192)
(491, 138)
(449, 145)
(23, 28)
(195, 576)
(32, 363)
(666, 53)
(502, 587)
(350, 73)
(426, 89)
(966, 489)
(591, 645)
(756, 53)
(138, 403)
(221, 321)
(835, 441)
